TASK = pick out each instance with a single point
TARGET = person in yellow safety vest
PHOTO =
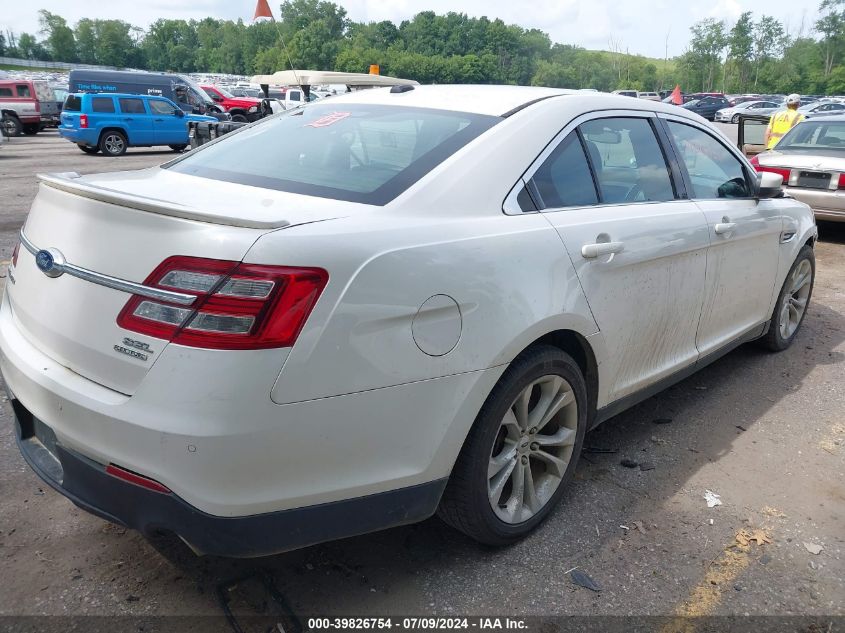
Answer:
(783, 120)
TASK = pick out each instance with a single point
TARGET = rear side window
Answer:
(5, 92)
(23, 91)
(354, 152)
(102, 104)
(713, 170)
(73, 103)
(564, 179)
(132, 106)
(627, 160)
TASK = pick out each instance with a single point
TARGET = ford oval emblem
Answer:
(50, 262)
(44, 260)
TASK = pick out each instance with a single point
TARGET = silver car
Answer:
(811, 159)
(731, 115)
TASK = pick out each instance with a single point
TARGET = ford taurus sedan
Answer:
(398, 302)
(811, 160)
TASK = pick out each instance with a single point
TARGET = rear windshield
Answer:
(73, 103)
(360, 153)
(815, 135)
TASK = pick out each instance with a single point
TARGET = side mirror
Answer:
(769, 185)
(179, 113)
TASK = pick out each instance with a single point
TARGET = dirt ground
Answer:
(764, 431)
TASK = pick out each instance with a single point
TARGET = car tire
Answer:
(500, 440)
(113, 143)
(12, 126)
(88, 149)
(178, 148)
(239, 118)
(792, 303)
(735, 119)
(31, 129)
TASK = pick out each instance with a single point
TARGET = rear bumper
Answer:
(826, 204)
(86, 483)
(78, 136)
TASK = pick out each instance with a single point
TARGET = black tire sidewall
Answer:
(15, 124)
(779, 342)
(548, 361)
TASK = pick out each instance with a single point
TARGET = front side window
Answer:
(713, 170)
(627, 160)
(157, 106)
(23, 91)
(5, 92)
(102, 104)
(132, 106)
(564, 179)
(354, 152)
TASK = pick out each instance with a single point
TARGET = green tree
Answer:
(769, 40)
(831, 25)
(706, 45)
(60, 41)
(741, 49)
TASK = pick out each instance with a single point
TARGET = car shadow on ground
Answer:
(392, 570)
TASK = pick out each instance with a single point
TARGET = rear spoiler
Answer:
(70, 182)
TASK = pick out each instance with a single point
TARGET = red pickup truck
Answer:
(27, 106)
(242, 109)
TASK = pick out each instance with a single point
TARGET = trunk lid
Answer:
(116, 231)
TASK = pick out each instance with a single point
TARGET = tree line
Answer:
(751, 55)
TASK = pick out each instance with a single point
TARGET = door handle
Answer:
(158, 120)
(128, 118)
(723, 228)
(591, 251)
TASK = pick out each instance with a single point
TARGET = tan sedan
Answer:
(811, 159)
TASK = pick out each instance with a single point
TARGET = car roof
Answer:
(830, 118)
(120, 94)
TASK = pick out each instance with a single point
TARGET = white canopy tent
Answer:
(307, 78)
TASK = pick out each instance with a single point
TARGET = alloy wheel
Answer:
(114, 144)
(795, 301)
(532, 449)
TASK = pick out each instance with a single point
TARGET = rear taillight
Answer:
(83, 121)
(238, 306)
(841, 183)
(785, 173)
(15, 254)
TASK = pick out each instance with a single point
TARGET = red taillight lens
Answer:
(755, 161)
(238, 306)
(83, 121)
(785, 173)
(15, 254)
(135, 478)
(841, 183)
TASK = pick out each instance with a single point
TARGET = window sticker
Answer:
(329, 119)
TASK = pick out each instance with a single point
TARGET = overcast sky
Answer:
(641, 26)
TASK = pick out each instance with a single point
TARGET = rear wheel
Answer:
(12, 125)
(88, 149)
(522, 450)
(31, 129)
(178, 148)
(113, 143)
(791, 307)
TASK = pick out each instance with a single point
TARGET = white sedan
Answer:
(398, 302)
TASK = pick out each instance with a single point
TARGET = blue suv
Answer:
(110, 123)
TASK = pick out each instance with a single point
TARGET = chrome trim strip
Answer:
(115, 283)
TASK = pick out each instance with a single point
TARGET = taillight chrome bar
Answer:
(179, 298)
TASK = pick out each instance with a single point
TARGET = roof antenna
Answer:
(262, 10)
